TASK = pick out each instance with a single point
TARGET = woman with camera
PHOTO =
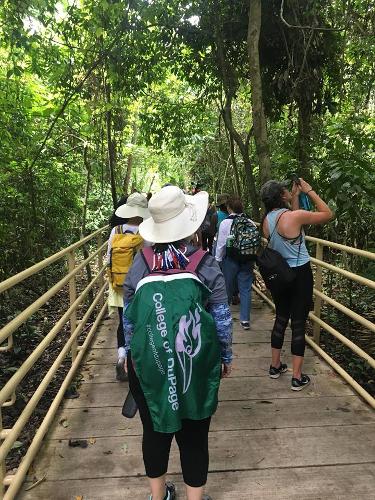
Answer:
(283, 227)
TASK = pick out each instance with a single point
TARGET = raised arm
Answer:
(322, 212)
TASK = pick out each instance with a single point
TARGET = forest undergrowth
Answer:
(26, 339)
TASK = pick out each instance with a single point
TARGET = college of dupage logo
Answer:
(188, 344)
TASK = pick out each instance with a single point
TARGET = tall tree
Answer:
(259, 119)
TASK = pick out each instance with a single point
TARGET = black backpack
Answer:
(274, 269)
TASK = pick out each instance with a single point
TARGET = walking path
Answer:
(266, 441)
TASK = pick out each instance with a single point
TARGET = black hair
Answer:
(275, 201)
(163, 247)
(122, 201)
(115, 220)
(223, 207)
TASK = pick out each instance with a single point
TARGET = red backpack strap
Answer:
(148, 257)
(195, 260)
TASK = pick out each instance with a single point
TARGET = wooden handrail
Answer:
(343, 248)
(8, 392)
(26, 366)
(348, 274)
(10, 327)
(17, 278)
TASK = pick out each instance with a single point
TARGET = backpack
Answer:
(174, 347)
(206, 224)
(244, 239)
(125, 245)
(274, 269)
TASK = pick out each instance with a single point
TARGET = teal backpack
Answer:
(174, 348)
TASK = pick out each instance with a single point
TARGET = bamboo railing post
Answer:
(2, 463)
(318, 286)
(8, 345)
(100, 265)
(72, 298)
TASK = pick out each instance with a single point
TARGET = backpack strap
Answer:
(274, 229)
(196, 260)
(148, 258)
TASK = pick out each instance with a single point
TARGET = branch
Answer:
(248, 136)
(317, 28)
(72, 94)
(299, 77)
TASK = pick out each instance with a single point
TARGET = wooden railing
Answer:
(75, 352)
(71, 349)
(320, 297)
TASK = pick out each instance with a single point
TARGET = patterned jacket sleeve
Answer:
(128, 328)
(223, 321)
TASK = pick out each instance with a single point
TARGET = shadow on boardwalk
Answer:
(266, 441)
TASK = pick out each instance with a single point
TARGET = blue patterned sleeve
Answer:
(128, 328)
(223, 321)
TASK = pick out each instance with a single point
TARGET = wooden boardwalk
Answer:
(266, 441)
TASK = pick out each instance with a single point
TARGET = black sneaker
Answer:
(170, 491)
(276, 372)
(121, 374)
(299, 383)
(245, 325)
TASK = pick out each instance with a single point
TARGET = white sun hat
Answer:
(136, 206)
(174, 215)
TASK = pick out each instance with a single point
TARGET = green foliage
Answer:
(345, 172)
(151, 74)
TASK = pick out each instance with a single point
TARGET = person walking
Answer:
(283, 227)
(219, 215)
(204, 233)
(178, 336)
(124, 241)
(114, 220)
(237, 274)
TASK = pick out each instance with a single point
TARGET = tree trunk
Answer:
(130, 162)
(259, 119)
(244, 150)
(111, 146)
(230, 84)
(87, 189)
(85, 252)
(303, 140)
(237, 183)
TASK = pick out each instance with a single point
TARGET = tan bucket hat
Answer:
(136, 206)
(174, 215)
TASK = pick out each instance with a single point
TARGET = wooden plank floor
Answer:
(266, 441)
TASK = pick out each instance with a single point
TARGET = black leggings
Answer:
(192, 441)
(120, 330)
(295, 303)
